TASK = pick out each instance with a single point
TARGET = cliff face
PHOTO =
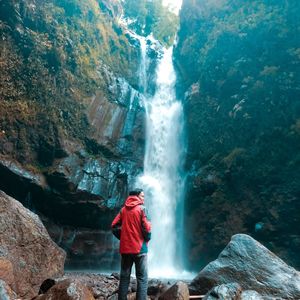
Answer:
(238, 63)
(71, 124)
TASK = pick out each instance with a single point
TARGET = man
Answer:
(133, 229)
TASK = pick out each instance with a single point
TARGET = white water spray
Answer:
(143, 65)
(162, 179)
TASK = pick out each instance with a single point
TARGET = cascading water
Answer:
(163, 179)
(143, 65)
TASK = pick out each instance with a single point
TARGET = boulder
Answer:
(67, 289)
(27, 253)
(254, 267)
(230, 291)
(178, 291)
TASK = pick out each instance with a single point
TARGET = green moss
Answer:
(53, 60)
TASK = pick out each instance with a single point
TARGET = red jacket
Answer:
(132, 227)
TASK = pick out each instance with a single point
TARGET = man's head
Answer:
(137, 192)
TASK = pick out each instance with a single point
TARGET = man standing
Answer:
(133, 229)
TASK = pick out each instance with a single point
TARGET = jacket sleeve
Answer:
(116, 225)
(146, 225)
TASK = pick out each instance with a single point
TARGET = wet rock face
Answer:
(116, 117)
(81, 191)
(27, 254)
(242, 125)
(87, 249)
(75, 194)
(253, 267)
(72, 134)
(79, 132)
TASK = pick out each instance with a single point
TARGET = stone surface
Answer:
(73, 144)
(7, 272)
(254, 267)
(68, 289)
(102, 286)
(178, 291)
(25, 243)
(251, 295)
(6, 293)
(92, 249)
(158, 286)
(228, 291)
(82, 195)
(105, 287)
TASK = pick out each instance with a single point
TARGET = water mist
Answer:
(163, 179)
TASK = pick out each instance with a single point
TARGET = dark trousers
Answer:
(140, 261)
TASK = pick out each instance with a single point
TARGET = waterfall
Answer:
(163, 179)
(143, 66)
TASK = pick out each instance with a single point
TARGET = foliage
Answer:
(152, 17)
(54, 55)
(242, 121)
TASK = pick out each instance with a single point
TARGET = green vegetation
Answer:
(242, 122)
(54, 57)
(152, 17)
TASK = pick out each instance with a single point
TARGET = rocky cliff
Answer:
(71, 113)
(239, 68)
(71, 122)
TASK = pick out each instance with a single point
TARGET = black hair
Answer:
(135, 192)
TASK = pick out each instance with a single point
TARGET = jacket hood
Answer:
(133, 201)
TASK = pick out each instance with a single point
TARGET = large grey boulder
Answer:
(254, 267)
(27, 254)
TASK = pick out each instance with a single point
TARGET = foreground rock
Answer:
(178, 291)
(251, 295)
(67, 290)
(105, 287)
(27, 254)
(254, 267)
(101, 286)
